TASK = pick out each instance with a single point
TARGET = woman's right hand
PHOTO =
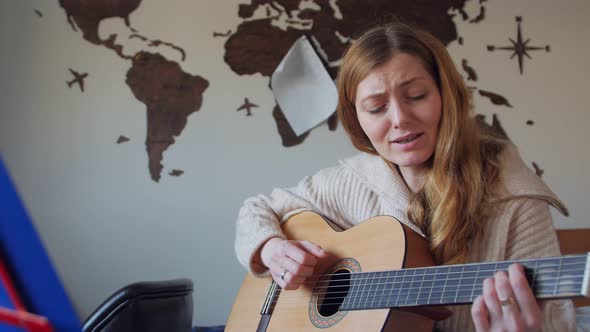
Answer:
(290, 262)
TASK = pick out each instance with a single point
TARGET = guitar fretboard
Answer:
(553, 277)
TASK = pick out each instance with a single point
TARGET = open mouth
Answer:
(408, 139)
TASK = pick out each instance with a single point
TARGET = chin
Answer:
(410, 161)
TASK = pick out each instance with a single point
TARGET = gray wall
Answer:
(106, 224)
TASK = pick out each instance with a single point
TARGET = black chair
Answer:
(146, 307)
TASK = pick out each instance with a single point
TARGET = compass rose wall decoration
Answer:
(519, 47)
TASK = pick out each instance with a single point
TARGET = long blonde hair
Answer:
(451, 206)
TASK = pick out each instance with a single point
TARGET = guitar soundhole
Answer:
(329, 294)
(334, 293)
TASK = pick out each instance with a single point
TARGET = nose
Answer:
(397, 114)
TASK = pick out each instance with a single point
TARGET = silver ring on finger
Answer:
(284, 274)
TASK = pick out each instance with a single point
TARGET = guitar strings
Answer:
(540, 277)
(359, 277)
(572, 281)
(564, 267)
(356, 289)
(435, 288)
(440, 298)
(565, 260)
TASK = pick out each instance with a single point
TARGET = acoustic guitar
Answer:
(379, 276)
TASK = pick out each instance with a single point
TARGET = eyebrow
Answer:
(402, 84)
(410, 81)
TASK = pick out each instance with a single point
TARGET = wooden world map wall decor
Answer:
(266, 31)
(520, 47)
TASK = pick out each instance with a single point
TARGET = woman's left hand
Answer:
(507, 303)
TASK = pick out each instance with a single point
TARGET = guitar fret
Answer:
(380, 285)
(426, 278)
(368, 289)
(346, 304)
(466, 284)
(383, 286)
(357, 295)
(445, 286)
(558, 276)
(409, 288)
(420, 287)
(431, 286)
(368, 296)
(374, 288)
(535, 273)
(364, 287)
(398, 290)
(547, 269)
(452, 284)
(459, 285)
(372, 291)
(475, 282)
(406, 284)
(364, 291)
(388, 301)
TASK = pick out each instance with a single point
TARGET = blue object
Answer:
(7, 303)
(25, 256)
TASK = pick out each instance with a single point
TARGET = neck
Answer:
(413, 176)
(551, 277)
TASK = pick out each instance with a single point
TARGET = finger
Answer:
(277, 278)
(289, 257)
(491, 299)
(529, 308)
(287, 281)
(295, 268)
(299, 254)
(511, 314)
(480, 315)
(313, 249)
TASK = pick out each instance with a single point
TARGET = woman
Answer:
(426, 162)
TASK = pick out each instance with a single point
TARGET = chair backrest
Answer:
(145, 306)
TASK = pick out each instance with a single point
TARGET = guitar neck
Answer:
(554, 277)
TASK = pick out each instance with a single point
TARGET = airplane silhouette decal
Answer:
(247, 105)
(78, 78)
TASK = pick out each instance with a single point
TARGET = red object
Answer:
(25, 320)
(19, 317)
(9, 286)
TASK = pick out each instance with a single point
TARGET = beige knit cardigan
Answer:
(364, 186)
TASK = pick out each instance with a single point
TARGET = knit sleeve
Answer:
(531, 234)
(335, 193)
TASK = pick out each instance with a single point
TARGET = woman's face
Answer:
(399, 108)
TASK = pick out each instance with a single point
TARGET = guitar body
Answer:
(380, 243)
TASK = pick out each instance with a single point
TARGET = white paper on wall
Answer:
(303, 88)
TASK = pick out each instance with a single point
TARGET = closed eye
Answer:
(376, 110)
(418, 97)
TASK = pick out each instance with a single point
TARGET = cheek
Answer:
(371, 126)
(431, 113)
